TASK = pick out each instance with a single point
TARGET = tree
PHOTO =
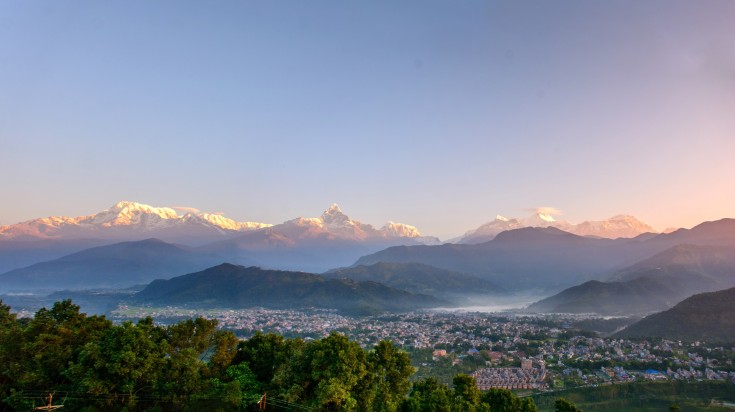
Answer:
(565, 405)
(466, 393)
(428, 395)
(338, 369)
(240, 391)
(330, 374)
(264, 353)
(391, 368)
(53, 340)
(126, 363)
(11, 344)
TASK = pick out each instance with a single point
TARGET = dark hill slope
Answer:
(521, 259)
(119, 265)
(232, 286)
(708, 317)
(419, 278)
(652, 285)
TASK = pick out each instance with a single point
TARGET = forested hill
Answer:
(708, 317)
(419, 278)
(233, 286)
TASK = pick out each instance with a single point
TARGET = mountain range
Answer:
(118, 265)
(651, 285)
(129, 221)
(456, 287)
(233, 286)
(315, 244)
(620, 226)
(550, 259)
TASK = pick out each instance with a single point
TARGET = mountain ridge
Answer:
(235, 286)
(702, 317)
(653, 284)
(618, 226)
(120, 264)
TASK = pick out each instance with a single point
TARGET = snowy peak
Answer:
(540, 219)
(393, 229)
(489, 230)
(333, 216)
(335, 224)
(223, 222)
(129, 214)
(614, 227)
(127, 221)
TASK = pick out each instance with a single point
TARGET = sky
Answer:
(439, 114)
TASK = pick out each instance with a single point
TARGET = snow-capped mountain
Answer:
(612, 228)
(334, 224)
(317, 243)
(489, 230)
(615, 227)
(129, 221)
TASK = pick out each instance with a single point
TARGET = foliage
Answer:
(564, 405)
(428, 395)
(91, 364)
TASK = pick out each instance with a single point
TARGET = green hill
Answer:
(652, 285)
(118, 265)
(420, 278)
(708, 316)
(232, 286)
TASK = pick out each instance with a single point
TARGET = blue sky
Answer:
(436, 114)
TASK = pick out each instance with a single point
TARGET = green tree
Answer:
(565, 405)
(504, 400)
(264, 353)
(330, 374)
(428, 395)
(466, 393)
(528, 405)
(53, 340)
(11, 354)
(125, 364)
(391, 368)
(240, 390)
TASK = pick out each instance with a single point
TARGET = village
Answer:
(501, 350)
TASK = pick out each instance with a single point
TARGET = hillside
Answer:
(653, 284)
(119, 265)
(232, 286)
(706, 317)
(420, 278)
(520, 259)
(551, 259)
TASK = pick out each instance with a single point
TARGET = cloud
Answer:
(185, 209)
(546, 210)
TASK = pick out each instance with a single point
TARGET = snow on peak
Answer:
(617, 226)
(334, 208)
(333, 216)
(393, 229)
(546, 217)
(227, 223)
(130, 217)
(127, 213)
